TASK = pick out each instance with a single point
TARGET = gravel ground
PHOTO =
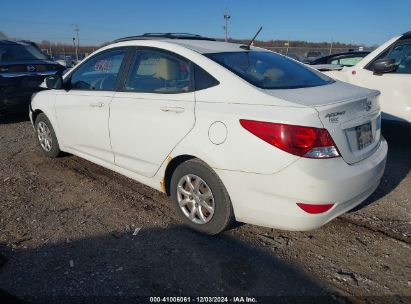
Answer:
(71, 230)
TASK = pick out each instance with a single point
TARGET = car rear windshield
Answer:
(269, 70)
(20, 52)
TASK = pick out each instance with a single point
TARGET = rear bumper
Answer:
(271, 200)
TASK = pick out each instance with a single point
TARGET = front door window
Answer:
(99, 73)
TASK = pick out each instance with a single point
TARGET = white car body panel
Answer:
(238, 141)
(156, 121)
(395, 99)
(270, 200)
(88, 133)
(131, 134)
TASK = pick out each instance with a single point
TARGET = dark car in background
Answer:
(296, 57)
(23, 67)
(310, 56)
(342, 59)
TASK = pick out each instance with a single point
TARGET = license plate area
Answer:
(364, 135)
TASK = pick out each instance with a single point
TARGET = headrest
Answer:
(167, 69)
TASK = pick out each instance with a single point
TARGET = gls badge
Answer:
(333, 117)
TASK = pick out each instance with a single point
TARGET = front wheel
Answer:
(200, 198)
(46, 136)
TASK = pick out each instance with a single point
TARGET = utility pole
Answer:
(77, 29)
(75, 47)
(331, 47)
(287, 44)
(226, 17)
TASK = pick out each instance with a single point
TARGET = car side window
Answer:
(402, 56)
(401, 53)
(347, 61)
(158, 72)
(99, 73)
(203, 80)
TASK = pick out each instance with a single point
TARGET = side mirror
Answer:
(382, 66)
(54, 82)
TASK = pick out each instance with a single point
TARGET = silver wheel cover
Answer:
(44, 136)
(195, 199)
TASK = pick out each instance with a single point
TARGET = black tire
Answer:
(223, 216)
(55, 148)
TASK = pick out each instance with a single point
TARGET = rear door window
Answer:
(203, 80)
(157, 72)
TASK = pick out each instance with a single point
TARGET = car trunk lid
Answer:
(355, 126)
(29, 67)
(349, 113)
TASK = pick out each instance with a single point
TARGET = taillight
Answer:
(298, 140)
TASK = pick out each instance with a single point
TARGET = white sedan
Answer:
(228, 131)
(387, 69)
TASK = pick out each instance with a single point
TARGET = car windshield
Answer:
(20, 52)
(269, 70)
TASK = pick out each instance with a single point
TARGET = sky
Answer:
(367, 22)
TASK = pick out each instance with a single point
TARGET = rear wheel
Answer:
(200, 198)
(46, 136)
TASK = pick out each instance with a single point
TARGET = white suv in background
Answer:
(387, 69)
(229, 131)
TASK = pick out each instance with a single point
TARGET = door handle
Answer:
(172, 109)
(97, 104)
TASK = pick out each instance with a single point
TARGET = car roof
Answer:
(197, 43)
(207, 47)
(9, 42)
(199, 46)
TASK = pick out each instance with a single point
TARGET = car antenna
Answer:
(247, 47)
